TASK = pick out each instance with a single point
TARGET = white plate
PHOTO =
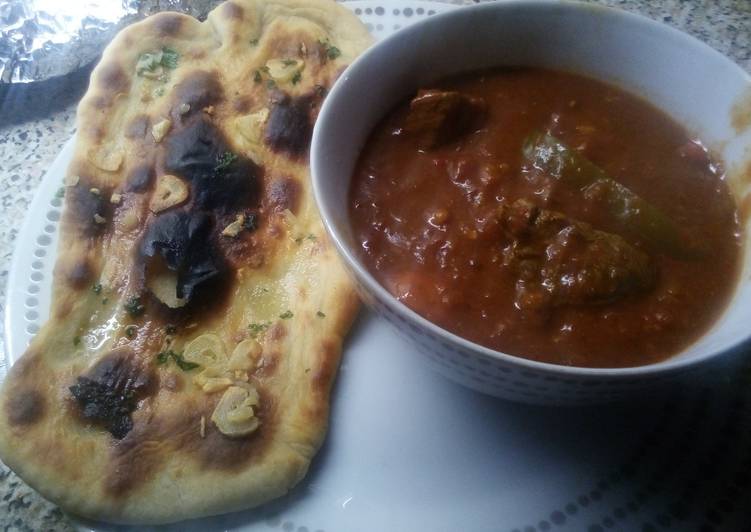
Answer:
(411, 451)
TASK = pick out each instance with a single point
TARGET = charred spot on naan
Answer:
(113, 80)
(243, 104)
(140, 454)
(180, 240)
(290, 125)
(25, 407)
(217, 451)
(108, 394)
(283, 194)
(220, 179)
(168, 24)
(197, 90)
(193, 239)
(77, 272)
(323, 375)
(88, 207)
(137, 127)
(139, 178)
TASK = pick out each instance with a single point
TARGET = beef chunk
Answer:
(560, 261)
(438, 117)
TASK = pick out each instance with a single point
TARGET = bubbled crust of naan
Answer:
(164, 470)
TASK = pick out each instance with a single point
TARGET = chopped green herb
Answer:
(76, 340)
(286, 315)
(169, 58)
(97, 288)
(159, 91)
(332, 52)
(164, 356)
(257, 76)
(104, 301)
(182, 363)
(254, 42)
(257, 328)
(311, 237)
(320, 314)
(264, 68)
(296, 78)
(150, 61)
(288, 62)
(60, 192)
(130, 331)
(298, 240)
(265, 290)
(224, 161)
(170, 329)
(134, 307)
(271, 84)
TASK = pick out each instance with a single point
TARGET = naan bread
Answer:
(189, 217)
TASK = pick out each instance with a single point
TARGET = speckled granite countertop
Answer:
(27, 149)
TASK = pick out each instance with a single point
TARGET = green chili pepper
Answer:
(636, 215)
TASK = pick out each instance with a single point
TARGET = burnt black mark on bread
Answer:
(187, 240)
(136, 128)
(283, 193)
(168, 24)
(25, 407)
(79, 274)
(113, 80)
(220, 180)
(290, 124)
(89, 210)
(182, 240)
(135, 460)
(108, 394)
(217, 451)
(139, 179)
(198, 90)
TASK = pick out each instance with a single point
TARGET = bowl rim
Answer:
(672, 364)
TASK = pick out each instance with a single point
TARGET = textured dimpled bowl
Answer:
(701, 89)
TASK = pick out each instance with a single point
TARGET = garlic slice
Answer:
(245, 355)
(234, 415)
(209, 372)
(160, 129)
(233, 229)
(163, 285)
(170, 191)
(251, 126)
(206, 350)
(106, 158)
(216, 384)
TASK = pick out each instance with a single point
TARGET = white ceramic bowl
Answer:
(696, 85)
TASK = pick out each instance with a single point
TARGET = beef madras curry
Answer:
(549, 216)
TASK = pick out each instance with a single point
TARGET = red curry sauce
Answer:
(475, 236)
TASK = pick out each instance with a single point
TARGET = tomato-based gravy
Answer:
(549, 216)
